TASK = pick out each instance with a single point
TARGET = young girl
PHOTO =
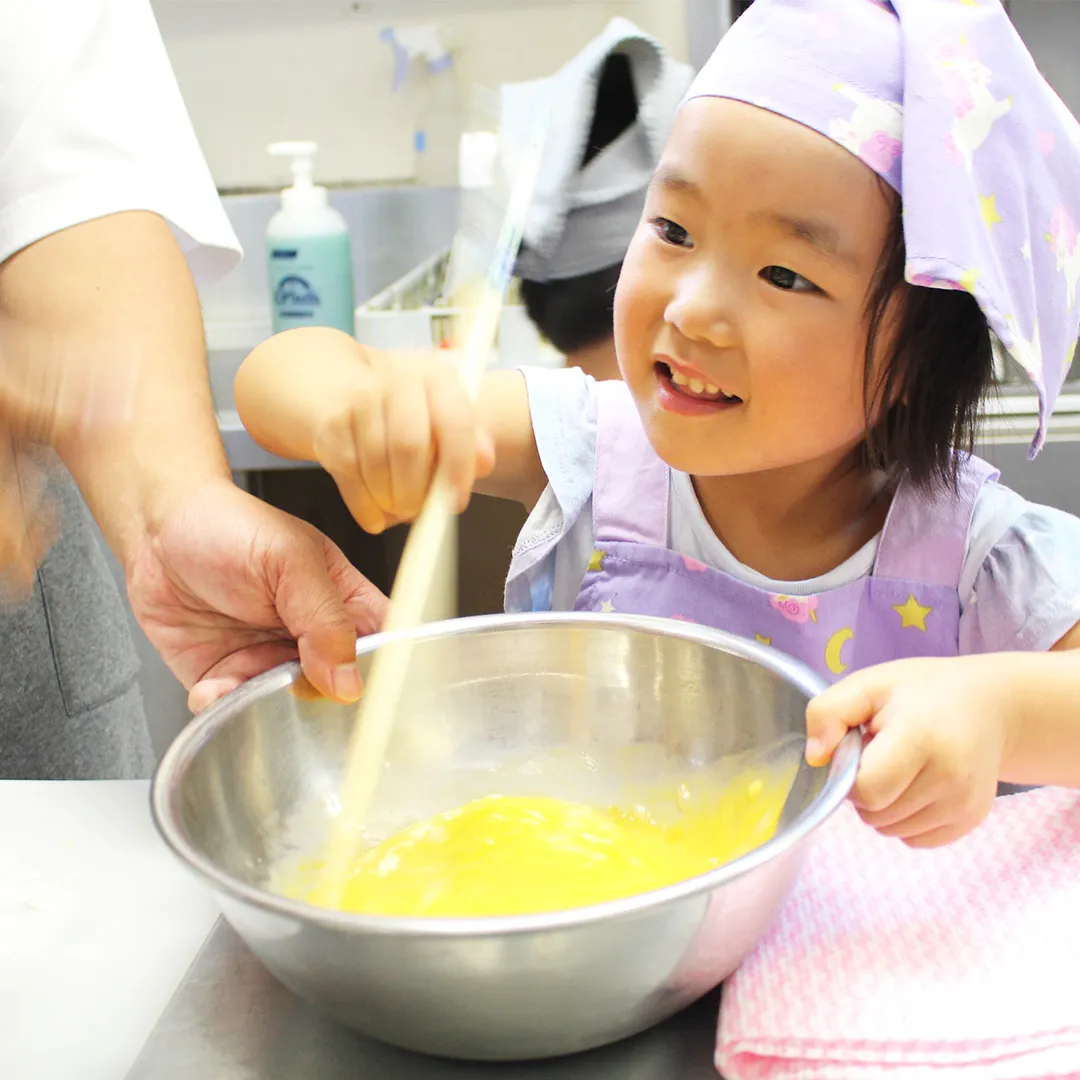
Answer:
(853, 197)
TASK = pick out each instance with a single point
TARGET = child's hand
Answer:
(404, 414)
(938, 732)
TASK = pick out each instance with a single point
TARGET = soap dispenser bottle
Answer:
(308, 252)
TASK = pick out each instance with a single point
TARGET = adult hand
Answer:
(104, 360)
(226, 587)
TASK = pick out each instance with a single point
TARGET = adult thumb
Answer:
(311, 607)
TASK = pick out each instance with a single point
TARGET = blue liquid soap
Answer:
(308, 253)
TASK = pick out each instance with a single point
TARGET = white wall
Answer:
(259, 70)
(255, 72)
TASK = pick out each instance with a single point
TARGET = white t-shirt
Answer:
(92, 123)
(1019, 585)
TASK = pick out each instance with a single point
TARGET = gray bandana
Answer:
(581, 219)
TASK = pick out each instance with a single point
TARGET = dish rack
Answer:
(413, 313)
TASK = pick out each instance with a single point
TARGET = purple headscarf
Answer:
(942, 99)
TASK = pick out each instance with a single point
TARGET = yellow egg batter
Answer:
(511, 855)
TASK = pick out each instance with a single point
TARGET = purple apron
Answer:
(908, 606)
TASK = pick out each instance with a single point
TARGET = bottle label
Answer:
(311, 283)
(296, 297)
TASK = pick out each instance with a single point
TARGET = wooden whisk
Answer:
(390, 666)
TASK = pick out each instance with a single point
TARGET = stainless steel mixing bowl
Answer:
(230, 791)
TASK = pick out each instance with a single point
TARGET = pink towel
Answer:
(963, 961)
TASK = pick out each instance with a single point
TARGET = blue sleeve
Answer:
(562, 406)
(1026, 592)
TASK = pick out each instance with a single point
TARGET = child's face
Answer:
(748, 275)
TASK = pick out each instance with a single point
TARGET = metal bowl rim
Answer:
(164, 791)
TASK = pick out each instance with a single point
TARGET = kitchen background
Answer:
(256, 71)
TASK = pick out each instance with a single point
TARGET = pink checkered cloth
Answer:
(963, 961)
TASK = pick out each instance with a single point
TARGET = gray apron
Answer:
(70, 705)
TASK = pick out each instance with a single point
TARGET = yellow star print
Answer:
(596, 562)
(988, 210)
(762, 640)
(968, 279)
(607, 607)
(912, 614)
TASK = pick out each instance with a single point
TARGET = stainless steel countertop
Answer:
(115, 963)
(98, 924)
(245, 455)
(1010, 420)
(230, 1020)
(1011, 416)
(395, 229)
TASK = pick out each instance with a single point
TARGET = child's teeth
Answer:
(694, 385)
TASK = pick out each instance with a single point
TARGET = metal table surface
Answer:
(231, 1020)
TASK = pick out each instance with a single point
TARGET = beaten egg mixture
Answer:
(517, 854)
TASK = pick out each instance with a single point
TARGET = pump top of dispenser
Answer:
(304, 193)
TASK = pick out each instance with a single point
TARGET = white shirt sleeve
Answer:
(92, 123)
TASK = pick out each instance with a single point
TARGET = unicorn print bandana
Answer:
(943, 101)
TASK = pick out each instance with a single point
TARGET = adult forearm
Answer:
(102, 356)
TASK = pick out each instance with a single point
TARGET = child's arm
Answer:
(379, 422)
(1045, 744)
(945, 731)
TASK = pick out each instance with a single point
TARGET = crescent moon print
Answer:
(834, 650)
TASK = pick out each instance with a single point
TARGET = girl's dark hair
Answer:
(938, 367)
